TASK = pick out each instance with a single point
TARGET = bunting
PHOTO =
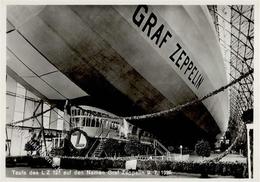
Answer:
(109, 118)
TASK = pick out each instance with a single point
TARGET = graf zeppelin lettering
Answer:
(159, 35)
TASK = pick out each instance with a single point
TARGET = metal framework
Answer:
(234, 25)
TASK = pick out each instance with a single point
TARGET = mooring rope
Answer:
(182, 106)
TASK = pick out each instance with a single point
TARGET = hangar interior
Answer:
(49, 115)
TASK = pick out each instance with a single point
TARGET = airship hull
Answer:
(129, 60)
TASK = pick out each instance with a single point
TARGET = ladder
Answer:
(98, 151)
(158, 146)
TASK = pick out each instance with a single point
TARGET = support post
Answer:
(248, 128)
(8, 142)
(181, 149)
(43, 133)
(66, 118)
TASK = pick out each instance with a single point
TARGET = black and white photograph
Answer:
(129, 91)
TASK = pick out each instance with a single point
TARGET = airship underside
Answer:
(128, 60)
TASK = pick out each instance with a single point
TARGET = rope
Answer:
(35, 116)
(180, 107)
(104, 117)
(62, 118)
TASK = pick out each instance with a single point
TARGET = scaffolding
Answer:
(234, 25)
